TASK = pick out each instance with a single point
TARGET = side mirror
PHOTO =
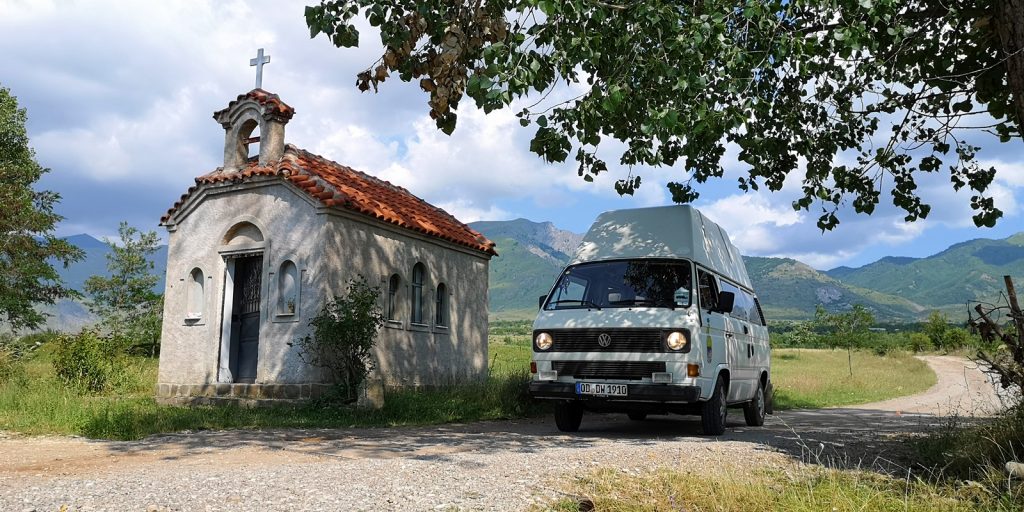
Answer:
(726, 300)
(540, 301)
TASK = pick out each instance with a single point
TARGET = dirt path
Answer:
(481, 466)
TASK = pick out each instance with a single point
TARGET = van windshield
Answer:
(623, 284)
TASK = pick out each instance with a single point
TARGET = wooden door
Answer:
(245, 318)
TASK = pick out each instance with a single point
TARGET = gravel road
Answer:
(504, 465)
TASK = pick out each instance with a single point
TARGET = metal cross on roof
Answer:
(259, 61)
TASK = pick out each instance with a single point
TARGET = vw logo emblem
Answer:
(604, 340)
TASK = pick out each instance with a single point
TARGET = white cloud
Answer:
(466, 212)
(1010, 174)
(115, 147)
(752, 221)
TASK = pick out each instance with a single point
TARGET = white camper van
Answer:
(654, 315)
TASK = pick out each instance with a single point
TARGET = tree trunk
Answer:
(1009, 21)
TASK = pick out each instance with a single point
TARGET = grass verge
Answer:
(815, 378)
(967, 450)
(804, 488)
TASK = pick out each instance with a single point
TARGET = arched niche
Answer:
(195, 301)
(288, 285)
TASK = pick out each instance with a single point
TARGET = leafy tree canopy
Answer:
(849, 97)
(28, 247)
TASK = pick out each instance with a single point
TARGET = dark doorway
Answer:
(245, 318)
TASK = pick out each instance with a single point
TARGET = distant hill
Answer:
(896, 289)
(530, 256)
(966, 271)
(791, 290)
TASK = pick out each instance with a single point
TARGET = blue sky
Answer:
(120, 97)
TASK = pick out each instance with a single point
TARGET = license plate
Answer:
(595, 388)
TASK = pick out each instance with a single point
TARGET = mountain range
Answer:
(531, 254)
(895, 289)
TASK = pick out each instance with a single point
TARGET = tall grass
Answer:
(972, 451)
(798, 489)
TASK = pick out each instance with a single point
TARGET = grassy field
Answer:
(810, 378)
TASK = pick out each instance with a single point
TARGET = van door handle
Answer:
(729, 335)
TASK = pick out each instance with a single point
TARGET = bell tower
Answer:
(255, 109)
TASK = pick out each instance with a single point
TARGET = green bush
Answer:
(86, 361)
(344, 333)
(919, 341)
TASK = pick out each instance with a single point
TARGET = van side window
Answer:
(739, 305)
(708, 290)
(758, 316)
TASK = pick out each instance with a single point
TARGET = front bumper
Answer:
(635, 392)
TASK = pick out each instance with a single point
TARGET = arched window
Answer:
(441, 305)
(287, 289)
(417, 293)
(393, 283)
(196, 300)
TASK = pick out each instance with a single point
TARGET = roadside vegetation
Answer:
(799, 488)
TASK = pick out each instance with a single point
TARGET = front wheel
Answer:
(568, 416)
(714, 411)
(754, 410)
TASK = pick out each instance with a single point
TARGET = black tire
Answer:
(637, 416)
(754, 410)
(568, 416)
(714, 412)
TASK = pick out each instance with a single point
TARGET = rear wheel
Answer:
(637, 416)
(714, 412)
(754, 410)
(568, 416)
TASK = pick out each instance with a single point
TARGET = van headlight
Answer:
(543, 341)
(676, 340)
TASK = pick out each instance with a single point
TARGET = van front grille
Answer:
(619, 340)
(624, 370)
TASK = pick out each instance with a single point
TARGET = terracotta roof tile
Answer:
(339, 186)
(267, 99)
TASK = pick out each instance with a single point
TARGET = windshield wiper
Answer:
(586, 303)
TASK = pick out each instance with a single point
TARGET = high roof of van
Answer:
(678, 231)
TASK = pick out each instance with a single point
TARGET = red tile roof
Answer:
(342, 187)
(264, 98)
